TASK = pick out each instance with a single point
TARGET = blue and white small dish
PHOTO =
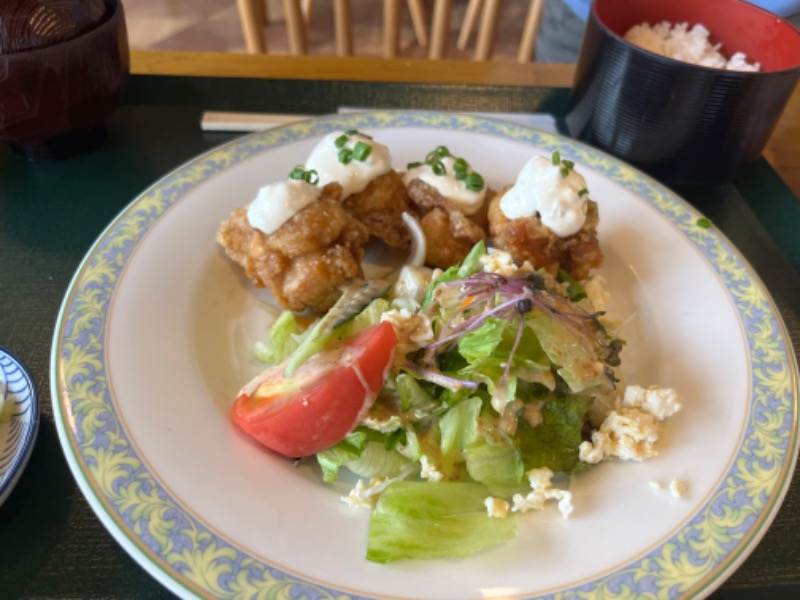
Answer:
(19, 420)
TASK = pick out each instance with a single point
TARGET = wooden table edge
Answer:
(351, 68)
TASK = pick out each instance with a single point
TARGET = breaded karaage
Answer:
(380, 207)
(449, 233)
(527, 239)
(306, 261)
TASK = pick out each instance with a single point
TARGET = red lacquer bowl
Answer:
(55, 100)
(684, 124)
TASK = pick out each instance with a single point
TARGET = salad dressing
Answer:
(278, 202)
(554, 192)
(455, 190)
(354, 175)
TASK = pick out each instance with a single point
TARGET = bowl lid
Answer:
(34, 24)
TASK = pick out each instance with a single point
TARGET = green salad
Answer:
(497, 377)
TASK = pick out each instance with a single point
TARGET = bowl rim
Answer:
(667, 60)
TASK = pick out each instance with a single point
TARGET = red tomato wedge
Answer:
(323, 400)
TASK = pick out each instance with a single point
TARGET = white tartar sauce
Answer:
(356, 174)
(278, 202)
(468, 201)
(542, 188)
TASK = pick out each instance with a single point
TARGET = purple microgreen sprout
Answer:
(451, 383)
(490, 295)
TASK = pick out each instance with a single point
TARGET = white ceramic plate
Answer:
(18, 431)
(153, 342)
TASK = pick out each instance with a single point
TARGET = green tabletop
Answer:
(51, 543)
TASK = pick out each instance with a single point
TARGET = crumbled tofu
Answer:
(413, 331)
(383, 423)
(659, 402)
(497, 508)
(411, 286)
(429, 470)
(626, 433)
(500, 262)
(365, 495)
(678, 488)
(632, 428)
(542, 490)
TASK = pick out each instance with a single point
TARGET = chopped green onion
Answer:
(340, 141)
(460, 175)
(704, 223)
(345, 156)
(351, 132)
(300, 173)
(431, 157)
(460, 164)
(297, 173)
(568, 163)
(442, 151)
(564, 171)
(361, 151)
(583, 192)
(556, 158)
(474, 182)
(438, 168)
(413, 165)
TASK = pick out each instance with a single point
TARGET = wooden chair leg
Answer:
(306, 6)
(440, 29)
(532, 23)
(485, 44)
(295, 28)
(252, 25)
(470, 17)
(343, 20)
(261, 10)
(391, 28)
(417, 10)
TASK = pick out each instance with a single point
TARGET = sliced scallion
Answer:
(361, 151)
(474, 182)
(345, 156)
(297, 173)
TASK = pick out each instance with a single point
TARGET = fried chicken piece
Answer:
(307, 260)
(380, 207)
(526, 239)
(449, 233)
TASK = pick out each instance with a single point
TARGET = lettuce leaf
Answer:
(554, 442)
(579, 366)
(459, 427)
(284, 338)
(349, 449)
(498, 466)
(377, 461)
(434, 520)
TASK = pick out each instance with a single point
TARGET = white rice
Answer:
(687, 45)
